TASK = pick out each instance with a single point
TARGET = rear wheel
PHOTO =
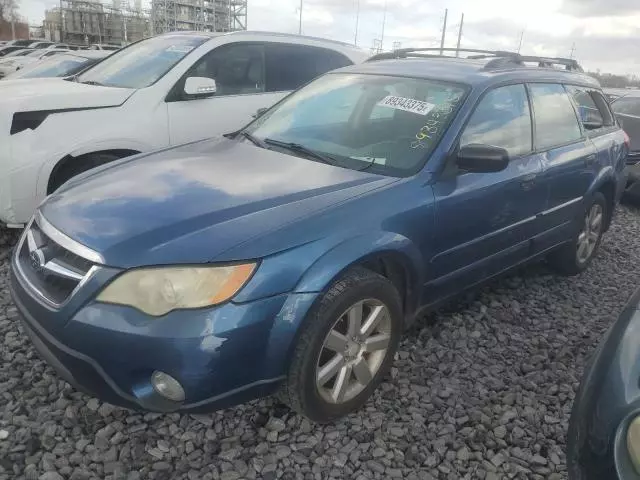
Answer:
(576, 256)
(346, 347)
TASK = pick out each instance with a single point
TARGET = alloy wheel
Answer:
(353, 351)
(590, 234)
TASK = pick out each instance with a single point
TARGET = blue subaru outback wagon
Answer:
(289, 256)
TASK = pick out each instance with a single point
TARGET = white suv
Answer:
(166, 90)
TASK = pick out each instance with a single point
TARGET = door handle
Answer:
(528, 181)
(590, 159)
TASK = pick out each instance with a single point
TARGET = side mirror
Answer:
(200, 86)
(482, 158)
(259, 112)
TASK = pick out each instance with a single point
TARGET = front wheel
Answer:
(577, 255)
(345, 348)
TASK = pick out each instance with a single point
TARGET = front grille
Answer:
(633, 158)
(52, 270)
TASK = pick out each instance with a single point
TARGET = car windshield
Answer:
(388, 125)
(18, 53)
(58, 66)
(36, 53)
(143, 63)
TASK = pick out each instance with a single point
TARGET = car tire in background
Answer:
(576, 256)
(341, 341)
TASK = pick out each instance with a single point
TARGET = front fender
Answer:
(354, 250)
(321, 274)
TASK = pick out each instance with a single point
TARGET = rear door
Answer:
(569, 161)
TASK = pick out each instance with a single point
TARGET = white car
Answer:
(165, 90)
(100, 46)
(13, 64)
(62, 65)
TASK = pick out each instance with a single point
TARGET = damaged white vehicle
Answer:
(166, 90)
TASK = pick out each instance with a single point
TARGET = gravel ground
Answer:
(481, 390)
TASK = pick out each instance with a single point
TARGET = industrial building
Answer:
(121, 22)
(201, 15)
(90, 21)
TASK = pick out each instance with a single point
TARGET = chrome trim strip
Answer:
(67, 242)
(46, 300)
(61, 271)
(560, 207)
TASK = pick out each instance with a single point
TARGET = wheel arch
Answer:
(60, 165)
(605, 183)
(391, 255)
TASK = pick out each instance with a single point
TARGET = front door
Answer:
(239, 72)
(484, 221)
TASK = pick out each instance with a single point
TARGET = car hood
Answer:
(192, 203)
(38, 94)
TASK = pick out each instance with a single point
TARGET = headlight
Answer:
(158, 291)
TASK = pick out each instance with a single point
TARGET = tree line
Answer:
(609, 80)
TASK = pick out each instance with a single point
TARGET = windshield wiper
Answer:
(298, 148)
(92, 82)
(255, 140)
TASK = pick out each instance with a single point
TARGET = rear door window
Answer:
(501, 119)
(555, 117)
(291, 66)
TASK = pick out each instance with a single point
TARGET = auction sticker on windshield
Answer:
(407, 104)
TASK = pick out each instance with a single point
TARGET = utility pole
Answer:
(384, 20)
(300, 22)
(355, 40)
(460, 35)
(573, 50)
(521, 38)
(444, 30)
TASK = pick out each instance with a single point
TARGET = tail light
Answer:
(627, 140)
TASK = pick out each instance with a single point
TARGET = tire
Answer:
(567, 259)
(79, 165)
(311, 355)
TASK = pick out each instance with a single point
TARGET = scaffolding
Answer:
(198, 15)
(83, 22)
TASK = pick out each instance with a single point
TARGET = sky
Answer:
(604, 34)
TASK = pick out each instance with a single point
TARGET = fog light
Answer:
(633, 442)
(167, 386)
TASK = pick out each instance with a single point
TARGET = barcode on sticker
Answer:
(407, 104)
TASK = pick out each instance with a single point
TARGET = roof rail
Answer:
(499, 58)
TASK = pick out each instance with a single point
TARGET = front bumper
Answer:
(221, 356)
(607, 401)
